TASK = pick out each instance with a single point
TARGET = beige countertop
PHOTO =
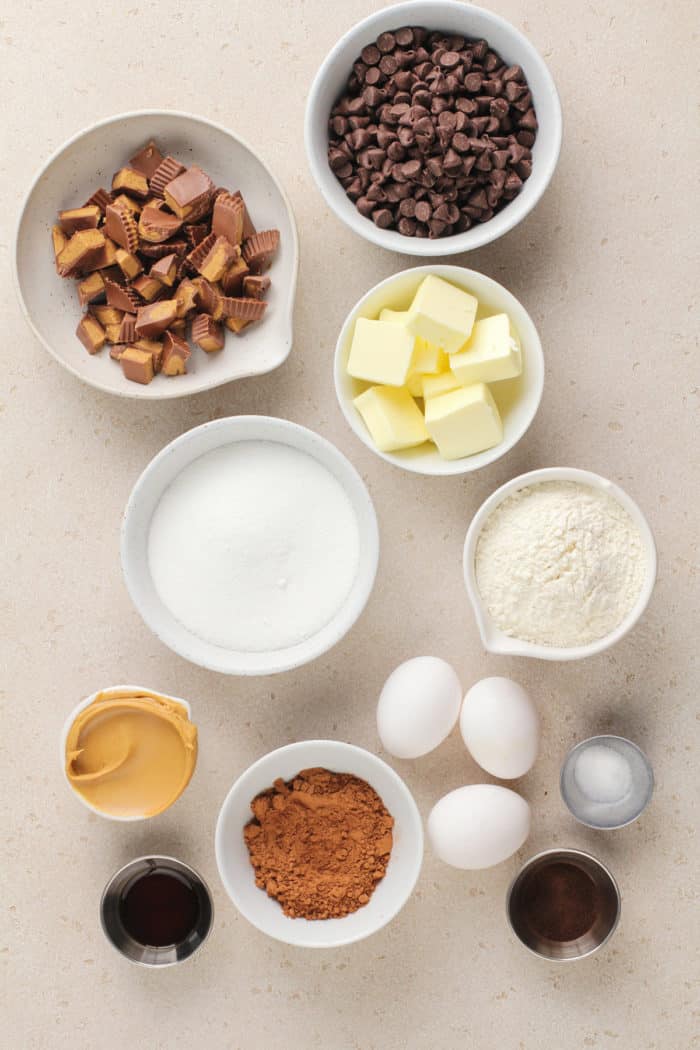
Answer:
(607, 265)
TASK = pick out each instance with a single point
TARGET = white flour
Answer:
(559, 563)
(254, 546)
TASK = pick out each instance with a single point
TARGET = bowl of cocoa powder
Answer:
(319, 844)
(433, 127)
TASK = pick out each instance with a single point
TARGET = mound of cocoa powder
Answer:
(319, 843)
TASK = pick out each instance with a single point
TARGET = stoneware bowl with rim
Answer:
(237, 872)
(494, 640)
(518, 399)
(112, 690)
(87, 161)
(452, 17)
(146, 494)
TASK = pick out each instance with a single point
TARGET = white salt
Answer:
(254, 546)
(602, 774)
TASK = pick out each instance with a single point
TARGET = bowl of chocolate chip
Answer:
(433, 128)
(156, 256)
(319, 844)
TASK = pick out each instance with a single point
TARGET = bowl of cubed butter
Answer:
(439, 370)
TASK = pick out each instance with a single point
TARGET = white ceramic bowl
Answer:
(237, 873)
(146, 494)
(518, 399)
(112, 690)
(88, 160)
(453, 17)
(495, 641)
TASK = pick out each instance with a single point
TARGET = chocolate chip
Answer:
(449, 60)
(365, 206)
(404, 37)
(472, 82)
(371, 55)
(383, 218)
(386, 42)
(407, 207)
(407, 227)
(373, 76)
(529, 120)
(513, 73)
(423, 211)
(412, 169)
(388, 65)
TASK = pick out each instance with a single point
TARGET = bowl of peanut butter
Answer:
(128, 753)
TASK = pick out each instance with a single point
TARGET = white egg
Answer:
(500, 727)
(478, 826)
(418, 706)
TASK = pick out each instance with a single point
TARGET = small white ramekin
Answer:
(518, 399)
(494, 640)
(452, 17)
(237, 873)
(112, 690)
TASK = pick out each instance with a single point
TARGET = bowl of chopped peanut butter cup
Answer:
(156, 256)
(319, 844)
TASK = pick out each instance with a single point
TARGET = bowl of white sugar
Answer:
(250, 545)
(559, 564)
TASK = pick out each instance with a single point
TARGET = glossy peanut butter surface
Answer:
(131, 754)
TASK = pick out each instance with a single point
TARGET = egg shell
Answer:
(478, 826)
(418, 706)
(500, 727)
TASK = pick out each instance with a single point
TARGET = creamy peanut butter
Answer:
(131, 754)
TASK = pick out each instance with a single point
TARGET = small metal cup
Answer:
(608, 816)
(121, 940)
(603, 927)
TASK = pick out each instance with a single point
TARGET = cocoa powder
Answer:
(319, 843)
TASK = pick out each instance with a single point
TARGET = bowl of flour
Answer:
(559, 564)
(249, 545)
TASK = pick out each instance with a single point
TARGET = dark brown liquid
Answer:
(559, 901)
(159, 909)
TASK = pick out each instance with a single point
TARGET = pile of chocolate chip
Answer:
(432, 134)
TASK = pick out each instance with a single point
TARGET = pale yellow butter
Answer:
(492, 353)
(381, 352)
(464, 421)
(414, 384)
(442, 314)
(392, 418)
(433, 386)
(426, 357)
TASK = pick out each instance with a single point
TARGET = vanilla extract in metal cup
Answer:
(156, 911)
(563, 905)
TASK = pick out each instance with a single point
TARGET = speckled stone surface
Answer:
(607, 265)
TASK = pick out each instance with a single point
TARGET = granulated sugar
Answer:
(254, 546)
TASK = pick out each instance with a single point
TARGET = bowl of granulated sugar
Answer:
(250, 545)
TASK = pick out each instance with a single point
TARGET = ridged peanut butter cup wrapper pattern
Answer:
(167, 170)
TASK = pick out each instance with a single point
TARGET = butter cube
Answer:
(492, 353)
(433, 386)
(392, 418)
(464, 421)
(442, 314)
(426, 357)
(414, 384)
(381, 352)
(395, 316)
